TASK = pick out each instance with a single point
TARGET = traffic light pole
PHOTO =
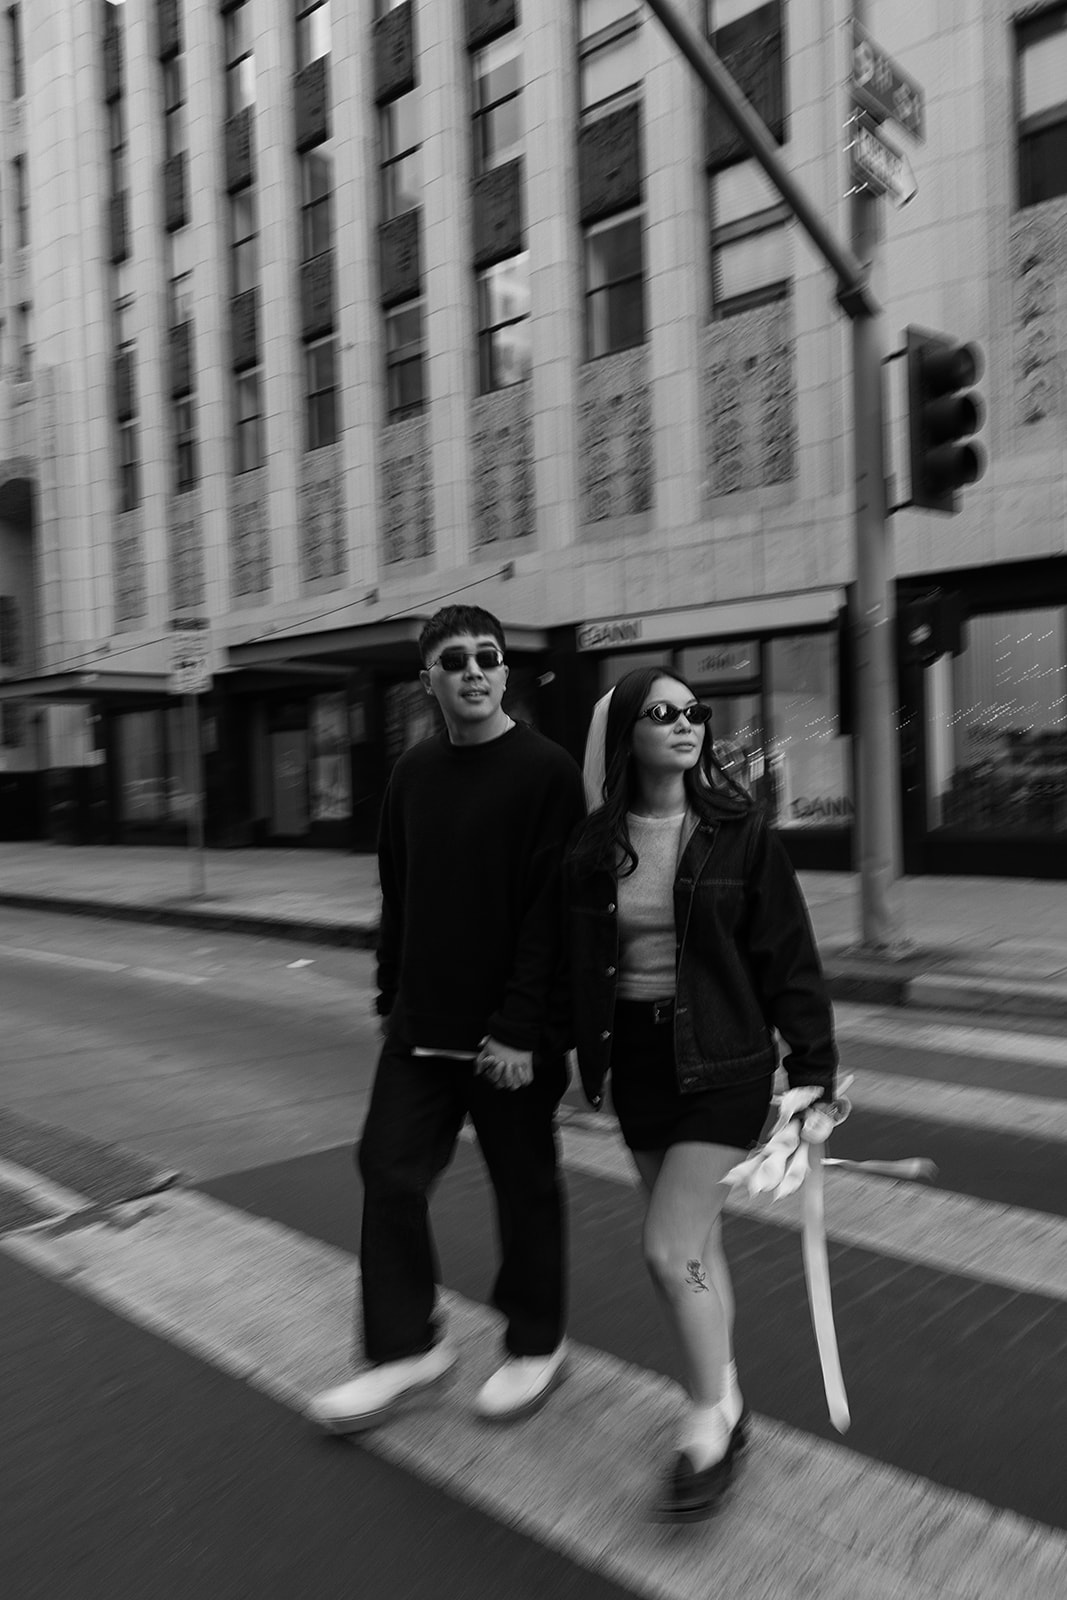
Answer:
(877, 770)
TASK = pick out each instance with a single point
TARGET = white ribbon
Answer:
(791, 1158)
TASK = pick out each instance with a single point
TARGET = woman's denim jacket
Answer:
(746, 960)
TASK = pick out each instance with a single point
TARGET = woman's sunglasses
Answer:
(456, 660)
(663, 712)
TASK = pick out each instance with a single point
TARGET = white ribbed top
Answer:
(646, 910)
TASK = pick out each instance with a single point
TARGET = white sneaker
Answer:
(375, 1394)
(521, 1386)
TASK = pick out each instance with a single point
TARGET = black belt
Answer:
(655, 1011)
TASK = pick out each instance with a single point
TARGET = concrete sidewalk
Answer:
(996, 944)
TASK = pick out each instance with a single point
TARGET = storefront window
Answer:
(809, 764)
(331, 764)
(997, 727)
(153, 766)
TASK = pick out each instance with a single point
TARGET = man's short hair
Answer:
(451, 620)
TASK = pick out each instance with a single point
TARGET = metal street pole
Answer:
(195, 814)
(877, 769)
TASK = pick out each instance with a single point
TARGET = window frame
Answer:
(483, 111)
(314, 206)
(400, 357)
(766, 219)
(316, 407)
(592, 291)
(239, 42)
(488, 328)
(183, 417)
(1029, 32)
(247, 424)
(129, 465)
(392, 158)
(306, 12)
(600, 43)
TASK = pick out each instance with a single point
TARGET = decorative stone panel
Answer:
(239, 161)
(751, 51)
(498, 226)
(180, 339)
(394, 53)
(243, 330)
(185, 558)
(609, 164)
(125, 398)
(615, 436)
(249, 536)
(1038, 255)
(120, 232)
(175, 214)
(398, 243)
(486, 19)
(407, 491)
(316, 295)
(749, 399)
(112, 62)
(321, 516)
(127, 564)
(311, 89)
(170, 28)
(502, 465)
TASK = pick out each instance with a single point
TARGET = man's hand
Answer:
(504, 1066)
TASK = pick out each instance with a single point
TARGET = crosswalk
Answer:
(272, 1307)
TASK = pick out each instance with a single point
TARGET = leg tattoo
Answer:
(696, 1275)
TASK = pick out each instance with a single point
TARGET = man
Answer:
(473, 828)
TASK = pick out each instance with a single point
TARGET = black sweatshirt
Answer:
(469, 852)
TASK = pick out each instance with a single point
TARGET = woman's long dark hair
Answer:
(605, 840)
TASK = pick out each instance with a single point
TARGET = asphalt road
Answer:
(144, 1451)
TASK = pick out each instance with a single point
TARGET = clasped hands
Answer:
(503, 1065)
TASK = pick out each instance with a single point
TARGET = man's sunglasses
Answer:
(663, 712)
(456, 660)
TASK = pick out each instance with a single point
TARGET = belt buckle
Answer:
(661, 1010)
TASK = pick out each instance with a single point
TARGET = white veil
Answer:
(593, 767)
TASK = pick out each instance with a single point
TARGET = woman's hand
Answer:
(503, 1065)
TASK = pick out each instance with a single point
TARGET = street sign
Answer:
(877, 165)
(883, 88)
(190, 658)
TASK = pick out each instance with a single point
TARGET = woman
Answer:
(690, 943)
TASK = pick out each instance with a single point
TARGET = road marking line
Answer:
(61, 958)
(1008, 1245)
(871, 1025)
(41, 1191)
(274, 1308)
(962, 1105)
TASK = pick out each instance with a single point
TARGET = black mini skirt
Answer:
(653, 1112)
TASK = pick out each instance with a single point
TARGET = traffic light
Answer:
(942, 417)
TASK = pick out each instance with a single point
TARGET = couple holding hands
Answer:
(654, 924)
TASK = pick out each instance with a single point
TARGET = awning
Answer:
(74, 688)
(771, 613)
(393, 643)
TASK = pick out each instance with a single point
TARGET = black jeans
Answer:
(416, 1110)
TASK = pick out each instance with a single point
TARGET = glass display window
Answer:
(996, 727)
(809, 762)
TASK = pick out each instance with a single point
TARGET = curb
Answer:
(348, 935)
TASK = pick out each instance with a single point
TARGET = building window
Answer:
(184, 444)
(23, 342)
(609, 55)
(401, 156)
(14, 36)
(22, 204)
(240, 60)
(1041, 43)
(404, 356)
(497, 104)
(174, 137)
(504, 324)
(312, 31)
(129, 467)
(245, 243)
(317, 182)
(320, 360)
(181, 299)
(248, 433)
(615, 297)
(751, 260)
(117, 137)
